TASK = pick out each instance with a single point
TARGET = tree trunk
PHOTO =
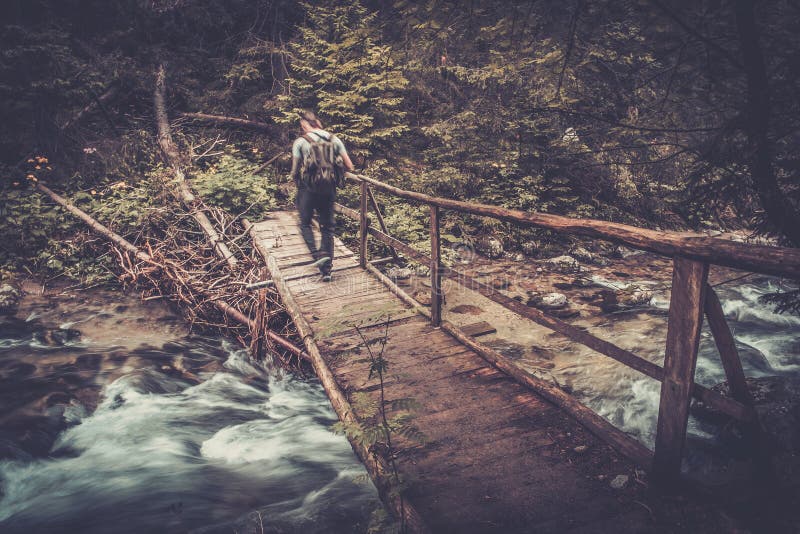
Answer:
(778, 209)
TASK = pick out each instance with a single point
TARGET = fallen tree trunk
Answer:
(234, 122)
(173, 158)
(117, 239)
(95, 103)
(95, 225)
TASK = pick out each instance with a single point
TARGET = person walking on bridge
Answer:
(319, 161)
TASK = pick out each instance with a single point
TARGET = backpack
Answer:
(322, 170)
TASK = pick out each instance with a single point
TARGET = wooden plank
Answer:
(481, 328)
(381, 222)
(727, 348)
(593, 422)
(436, 269)
(686, 306)
(377, 467)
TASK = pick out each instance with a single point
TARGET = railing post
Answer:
(726, 345)
(362, 226)
(436, 269)
(687, 302)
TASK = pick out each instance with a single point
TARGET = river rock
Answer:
(616, 300)
(547, 301)
(619, 482)
(507, 348)
(467, 309)
(581, 254)
(777, 401)
(500, 282)
(398, 273)
(563, 264)
(57, 337)
(529, 248)
(489, 246)
(423, 297)
(519, 256)
(10, 295)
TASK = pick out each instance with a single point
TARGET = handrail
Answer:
(691, 299)
(779, 261)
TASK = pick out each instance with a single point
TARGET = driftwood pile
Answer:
(201, 259)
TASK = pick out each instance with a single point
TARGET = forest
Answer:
(145, 202)
(673, 115)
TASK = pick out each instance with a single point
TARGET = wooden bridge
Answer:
(499, 441)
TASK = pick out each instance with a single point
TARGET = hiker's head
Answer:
(309, 121)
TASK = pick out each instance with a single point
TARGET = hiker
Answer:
(319, 160)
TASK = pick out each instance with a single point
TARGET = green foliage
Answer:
(340, 69)
(231, 184)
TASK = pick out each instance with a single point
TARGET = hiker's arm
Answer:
(348, 164)
(296, 158)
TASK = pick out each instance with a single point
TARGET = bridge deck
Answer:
(496, 457)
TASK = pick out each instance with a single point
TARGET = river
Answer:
(116, 419)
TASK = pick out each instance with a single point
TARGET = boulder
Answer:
(10, 295)
(529, 248)
(619, 482)
(547, 301)
(563, 264)
(489, 246)
(624, 299)
(398, 273)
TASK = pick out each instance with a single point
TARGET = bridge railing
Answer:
(692, 298)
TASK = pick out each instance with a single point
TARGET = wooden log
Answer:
(377, 468)
(381, 222)
(231, 122)
(481, 328)
(727, 348)
(349, 212)
(172, 155)
(625, 444)
(712, 398)
(686, 306)
(779, 261)
(435, 268)
(96, 102)
(96, 225)
(117, 239)
(362, 227)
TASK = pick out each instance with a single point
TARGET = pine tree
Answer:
(340, 69)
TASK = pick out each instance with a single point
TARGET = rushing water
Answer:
(768, 345)
(188, 436)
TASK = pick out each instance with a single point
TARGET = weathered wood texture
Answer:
(494, 457)
(117, 239)
(229, 122)
(756, 258)
(173, 157)
(724, 404)
(727, 348)
(686, 306)
(435, 268)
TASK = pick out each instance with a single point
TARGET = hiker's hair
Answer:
(312, 119)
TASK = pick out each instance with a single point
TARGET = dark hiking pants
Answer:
(307, 203)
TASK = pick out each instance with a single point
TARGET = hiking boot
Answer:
(327, 277)
(323, 261)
